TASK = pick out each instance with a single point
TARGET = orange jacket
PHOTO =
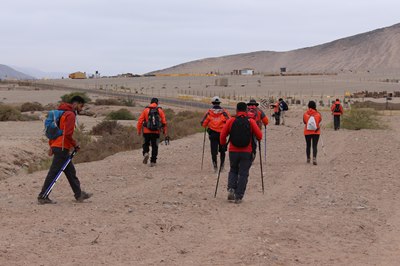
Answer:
(67, 125)
(260, 116)
(318, 119)
(215, 118)
(255, 130)
(340, 108)
(276, 107)
(144, 117)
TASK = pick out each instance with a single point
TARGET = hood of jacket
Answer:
(311, 111)
(65, 107)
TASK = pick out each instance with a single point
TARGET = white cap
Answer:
(215, 99)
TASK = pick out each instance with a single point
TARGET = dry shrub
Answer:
(108, 101)
(31, 107)
(10, 113)
(122, 139)
(183, 123)
(121, 114)
(106, 127)
(360, 118)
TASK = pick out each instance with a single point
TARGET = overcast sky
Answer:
(122, 36)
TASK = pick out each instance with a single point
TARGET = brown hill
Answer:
(377, 50)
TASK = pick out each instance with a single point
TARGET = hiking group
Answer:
(243, 130)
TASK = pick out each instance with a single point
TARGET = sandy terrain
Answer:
(341, 212)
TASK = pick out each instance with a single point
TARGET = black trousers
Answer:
(314, 140)
(60, 156)
(277, 117)
(154, 140)
(240, 163)
(336, 122)
(216, 146)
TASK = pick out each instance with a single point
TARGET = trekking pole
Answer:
(50, 188)
(262, 176)
(204, 143)
(216, 186)
(265, 144)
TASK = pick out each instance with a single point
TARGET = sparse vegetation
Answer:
(10, 113)
(360, 118)
(117, 102)
(30, 107)
(121, 114)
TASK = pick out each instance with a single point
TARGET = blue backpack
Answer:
(52, 123)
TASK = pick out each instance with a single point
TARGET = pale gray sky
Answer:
(122, 36)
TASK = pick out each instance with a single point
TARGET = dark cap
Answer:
(312, 105)
(77, 99)
(252, 102)
(154, 100)
(241, 107)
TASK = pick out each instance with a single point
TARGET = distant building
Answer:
(247, 71)
(77, 75)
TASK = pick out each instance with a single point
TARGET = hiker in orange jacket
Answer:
(256, 113)
(277, 112)
(312, 119)
(60, 149)
(151, 130)
(214, 120)
(337, 111)
(242, 131)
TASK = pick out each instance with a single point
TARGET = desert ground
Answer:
(340, 212)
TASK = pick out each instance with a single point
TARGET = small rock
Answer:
(346, 175)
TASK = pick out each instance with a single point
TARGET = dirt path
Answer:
(341, 212)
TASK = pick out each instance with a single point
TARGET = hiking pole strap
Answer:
(262, 176)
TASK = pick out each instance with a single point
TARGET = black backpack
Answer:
(337, 108)
(153, 122)
(240, 135)
(284, 105)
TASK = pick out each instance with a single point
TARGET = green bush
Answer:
(121, 114)
(67, 97)
(360, 118)
(29, 107)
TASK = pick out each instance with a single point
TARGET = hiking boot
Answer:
(84, 196)
(231, 194)
(215, 167)
(314, 161)
(42, 201)
(238, 199)
(152, 164)
(308, 160)
(146, 158)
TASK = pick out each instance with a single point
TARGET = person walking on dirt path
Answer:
(259, 116)
(312, 119)
(256, 113)
(60, 150)
(152, 121)
(214, 120)
(283, 107)
(240, 130)
(277, 112)
(337, 111)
